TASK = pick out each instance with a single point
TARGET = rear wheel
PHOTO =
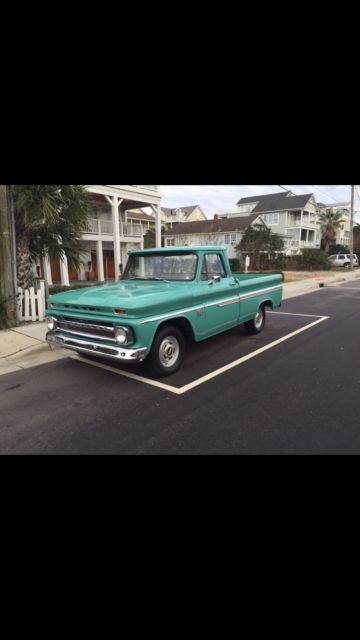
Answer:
(167, 352)
(257, 324)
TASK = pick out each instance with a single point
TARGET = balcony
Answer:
(131, 230)
(309, 244)
(99, 227)
(104, 227)
(307, 222)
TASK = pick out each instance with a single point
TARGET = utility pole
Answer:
(7, 284)
(352, 227)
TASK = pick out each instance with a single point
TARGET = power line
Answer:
(325, 193)
(314, 187)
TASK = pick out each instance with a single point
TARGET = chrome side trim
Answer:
(253, 294)
(101, 350)
(172, 314)
(224, 303)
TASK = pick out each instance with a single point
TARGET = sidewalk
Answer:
(25, 346)
(299, 288)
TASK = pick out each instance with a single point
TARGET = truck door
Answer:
(219, 294)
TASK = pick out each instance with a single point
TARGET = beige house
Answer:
(181, 214)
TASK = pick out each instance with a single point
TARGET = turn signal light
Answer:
(120, 312)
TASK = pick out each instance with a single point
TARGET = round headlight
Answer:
(51, 324)
(120, 335)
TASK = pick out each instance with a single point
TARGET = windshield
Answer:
(161, 266)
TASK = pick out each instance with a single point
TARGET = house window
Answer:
(170, 242)
(271, 218)
(230, 238)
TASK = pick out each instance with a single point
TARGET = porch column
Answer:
(157, 210)
(64, 272)
(100, 261)
(47, 270)
(115, 204)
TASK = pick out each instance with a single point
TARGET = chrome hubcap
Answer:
(169, 351)
(259, 319)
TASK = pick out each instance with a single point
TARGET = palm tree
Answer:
(49, 221)
(330, 222)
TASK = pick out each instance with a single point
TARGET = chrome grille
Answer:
(104, 331)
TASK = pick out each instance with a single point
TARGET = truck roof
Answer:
(180, 249)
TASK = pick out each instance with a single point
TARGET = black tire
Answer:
(347, 265)
(167, 352)
(258, 323)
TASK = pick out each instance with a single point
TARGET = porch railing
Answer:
(132, 230)
(104, 227)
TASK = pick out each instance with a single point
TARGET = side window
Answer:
(212, 266)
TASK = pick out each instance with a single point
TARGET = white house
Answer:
(116, 227)
(293, 217)
(220, 231)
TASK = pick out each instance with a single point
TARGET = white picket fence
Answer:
(31, 303)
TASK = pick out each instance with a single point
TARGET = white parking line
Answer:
(286, 313)
(188, 387)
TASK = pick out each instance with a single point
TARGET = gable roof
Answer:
(212, 226)
(187, 210)
(276, 202)
(139, 215)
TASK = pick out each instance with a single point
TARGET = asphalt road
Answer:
(299, 396)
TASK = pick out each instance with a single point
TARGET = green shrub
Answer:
(7, 314)
(314, 259)
(338, 248)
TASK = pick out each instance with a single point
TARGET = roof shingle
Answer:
(276, 202)
(212, 226)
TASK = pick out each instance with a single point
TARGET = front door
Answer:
(220, 295)
(108, 262)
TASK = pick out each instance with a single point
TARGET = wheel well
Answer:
(182, 324)
(267, 303)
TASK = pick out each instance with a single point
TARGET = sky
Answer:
(211, 198)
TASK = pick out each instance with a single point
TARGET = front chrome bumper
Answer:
(114, 352)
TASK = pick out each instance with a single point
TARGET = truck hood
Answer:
(138, 298)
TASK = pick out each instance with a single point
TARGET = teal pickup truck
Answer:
(165, 297)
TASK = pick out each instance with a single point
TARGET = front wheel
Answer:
(257, 324)
(167, 352)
